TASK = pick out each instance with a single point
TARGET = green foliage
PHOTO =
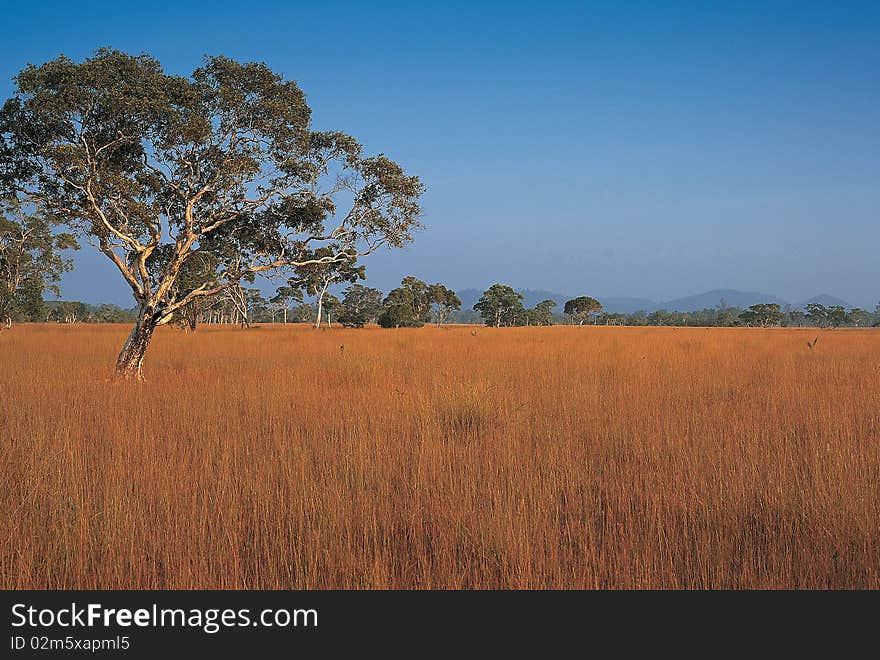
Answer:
(407, 306)
(817, 314)
(837, 316)
(582, 309)
(443, 301)
(542, 313)
(360, 305)
(500, 305)
(762, 315)
(31, 260)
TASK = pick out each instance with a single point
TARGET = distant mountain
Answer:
(731, 298)
(824, 299)
(468, 297)
(532, 297)
(695, 303)
(622, 305)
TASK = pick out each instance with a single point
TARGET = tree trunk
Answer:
(130, 362)
(320, 306)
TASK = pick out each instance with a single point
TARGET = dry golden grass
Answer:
(520, 458)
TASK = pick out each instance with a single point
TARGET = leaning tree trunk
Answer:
(130, 362)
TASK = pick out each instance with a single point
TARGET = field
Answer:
(284, 457)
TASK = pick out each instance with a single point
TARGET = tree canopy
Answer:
(582, 308)
(500, 306)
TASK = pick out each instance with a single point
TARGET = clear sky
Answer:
(650, 149)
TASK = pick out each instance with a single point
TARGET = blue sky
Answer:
(615, 149)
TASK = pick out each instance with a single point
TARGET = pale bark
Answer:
(320, 304)
(129, 364)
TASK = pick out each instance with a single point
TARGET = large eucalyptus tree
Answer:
(152, 168)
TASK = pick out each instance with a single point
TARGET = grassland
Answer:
(283, 457)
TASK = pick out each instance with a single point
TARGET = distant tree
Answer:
(443, 301)
(421, 302)
(407, 306)
(661, 317)
(30, 259)
(817, 314)
(224, 160)
(762, 315)
(316, 278)
(333, 308)
(199, 271)
(360, 305)
(582, 309)
(796, 317)
(500, 305)
(542, 313)
(303, 314)
(112, 314)
(247, 303)
(724, 318)
(284, 298)
(71, 311)
(859, 317)
(837, 316)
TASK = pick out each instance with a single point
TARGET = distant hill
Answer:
(622, 305)
(731, 298)
(695, 303)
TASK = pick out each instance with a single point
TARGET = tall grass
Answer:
(513, 458)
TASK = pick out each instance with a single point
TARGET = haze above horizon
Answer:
(655, 150)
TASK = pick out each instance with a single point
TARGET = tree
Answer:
(444, 302)
(30, 259)
(582, 308)
(316, 278)
(817, 313)
(360, 305)
(303, 314)
(421, 303)
(661, 317)
(837, 316)
(332, 307)
(407, 306)
(500, 305)
(71, 311)
(284, 298)
(223, 161)
(542, 314)
(111, 314)
(859, 317)
(796, 317)
(763, 315)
